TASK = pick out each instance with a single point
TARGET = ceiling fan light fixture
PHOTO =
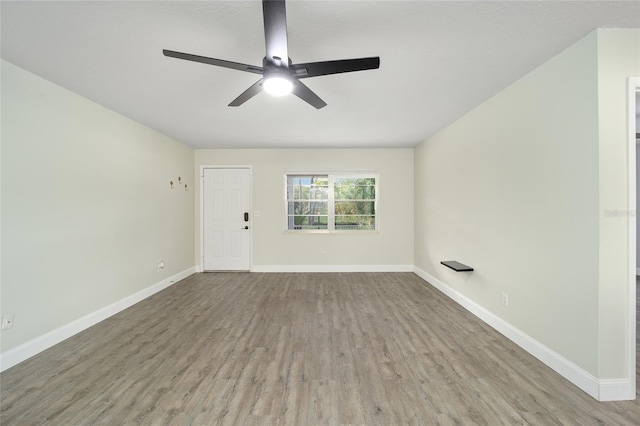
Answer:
(277, 85)
(280, 76)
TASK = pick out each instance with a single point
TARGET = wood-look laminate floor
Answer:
(295, 349)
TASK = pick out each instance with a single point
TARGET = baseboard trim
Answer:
(27, 350)
(616, 390)
(598, 389)
(332, 268)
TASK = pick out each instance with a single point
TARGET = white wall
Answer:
(618, 59)
(273, 249)
(517, 189)
(87, 212)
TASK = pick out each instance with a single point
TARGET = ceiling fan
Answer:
(279, 75)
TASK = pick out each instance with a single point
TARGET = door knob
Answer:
(246, 227)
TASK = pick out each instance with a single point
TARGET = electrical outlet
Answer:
(7, 321)
(324, 253)
(161, 265)
(505, 299)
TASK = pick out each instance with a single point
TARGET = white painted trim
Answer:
(33, 347)
(200, 262)
(615, 390)
(333, 268)
(633, 86)
(562, 366)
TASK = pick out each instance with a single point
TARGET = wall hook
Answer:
(171, 184)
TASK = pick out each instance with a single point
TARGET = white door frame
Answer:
(633, 86)
(201, 179)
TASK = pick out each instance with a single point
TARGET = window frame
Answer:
(331, 176)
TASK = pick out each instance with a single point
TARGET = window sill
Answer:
(326, 232)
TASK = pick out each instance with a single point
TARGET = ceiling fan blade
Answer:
(275, 32)
(247, 94)
(314, 69)
(213, 61)
(307, 95)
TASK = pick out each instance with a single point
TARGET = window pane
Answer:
(313, 192)
(307, 208)
(306, 180)
(355, 208)
(307, 187)
(308, 222)
(369, 181)
(355, 223)
(355, 188)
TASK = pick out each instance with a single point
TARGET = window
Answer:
(331, 202)
(354, 203)
(307, 202)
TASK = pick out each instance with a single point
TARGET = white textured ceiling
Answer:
(439, 59)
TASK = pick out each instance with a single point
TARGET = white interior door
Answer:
(226, 219)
